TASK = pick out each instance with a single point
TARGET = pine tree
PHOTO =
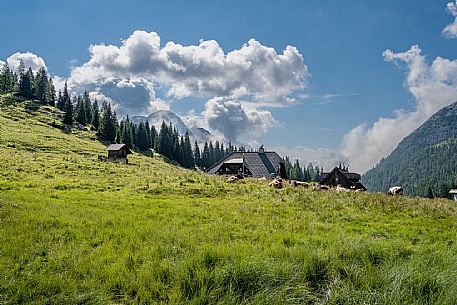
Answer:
(52, 93)
(188, 154)
(26, 84)
(108, 123)
(96, 116)
(6, 79)
(68, 108)
(148, 134)
(80, 111)
(63, 98)
(142, 136)
(197, 156)
(42, 87)
(211, 154)
(21, 70)
(164, 141)
(153, 137)
(206, 158)
(87, 107)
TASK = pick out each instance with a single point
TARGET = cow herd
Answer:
(278, 183)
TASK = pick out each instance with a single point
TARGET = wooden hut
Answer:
(341, 176)
(453, 193)
(118, 153)
(252, 164)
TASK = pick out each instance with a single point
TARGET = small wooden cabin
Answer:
(453, 193)
(118, 152)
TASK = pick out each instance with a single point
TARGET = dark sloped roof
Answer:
(116, 147)
(259, 164)
(346, 179)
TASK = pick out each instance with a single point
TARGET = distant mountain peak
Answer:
(157, 117)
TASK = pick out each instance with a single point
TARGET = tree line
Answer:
(28, 84)
(309, 173)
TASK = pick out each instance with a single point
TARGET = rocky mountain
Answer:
(426, 158)
(156, 118)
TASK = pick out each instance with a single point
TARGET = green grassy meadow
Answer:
(74, 230)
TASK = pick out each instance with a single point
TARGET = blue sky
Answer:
(342, 44)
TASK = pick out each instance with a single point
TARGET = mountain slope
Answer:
(425, 158)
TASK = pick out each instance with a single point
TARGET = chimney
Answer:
(261, 150)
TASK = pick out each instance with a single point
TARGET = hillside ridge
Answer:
(424, 161)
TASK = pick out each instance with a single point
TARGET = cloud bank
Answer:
(450, 31)
(433, 86)
(239, 83)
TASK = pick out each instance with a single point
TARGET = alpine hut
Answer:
(341, 176)
(118, 153)
(259, 164)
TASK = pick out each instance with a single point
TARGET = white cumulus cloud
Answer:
(30, 60)
(140, 70)
(227, 116)
(433, 86)
(450, 31)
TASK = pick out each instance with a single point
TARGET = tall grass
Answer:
(77, 231)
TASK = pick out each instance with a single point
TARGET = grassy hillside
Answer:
(77, 231)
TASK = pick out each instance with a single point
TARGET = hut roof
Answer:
(259, 164)
(117, 147)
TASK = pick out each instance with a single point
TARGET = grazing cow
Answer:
(240, 176)
(276, 183)
(232, 179)
(395, 190)
(262, 179)
(321, 187)
(295, 183)
(339, 189)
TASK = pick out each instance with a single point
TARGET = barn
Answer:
(341, 176)
(253, 164)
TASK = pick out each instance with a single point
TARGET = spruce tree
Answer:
(52, 93)
(153, 137)
(68, 108)
(188, 154)
(143, 143)
(26, 85)
(80, 112)
(6, 79)
(206, 158)
(197, 157)
(211, 158)
(42, 86)
(108, 123)
(95, 115)
(164, 141)
(87, 107)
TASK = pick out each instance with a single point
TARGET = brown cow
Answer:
(232, 179)
(276, 183)
(295, 183)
